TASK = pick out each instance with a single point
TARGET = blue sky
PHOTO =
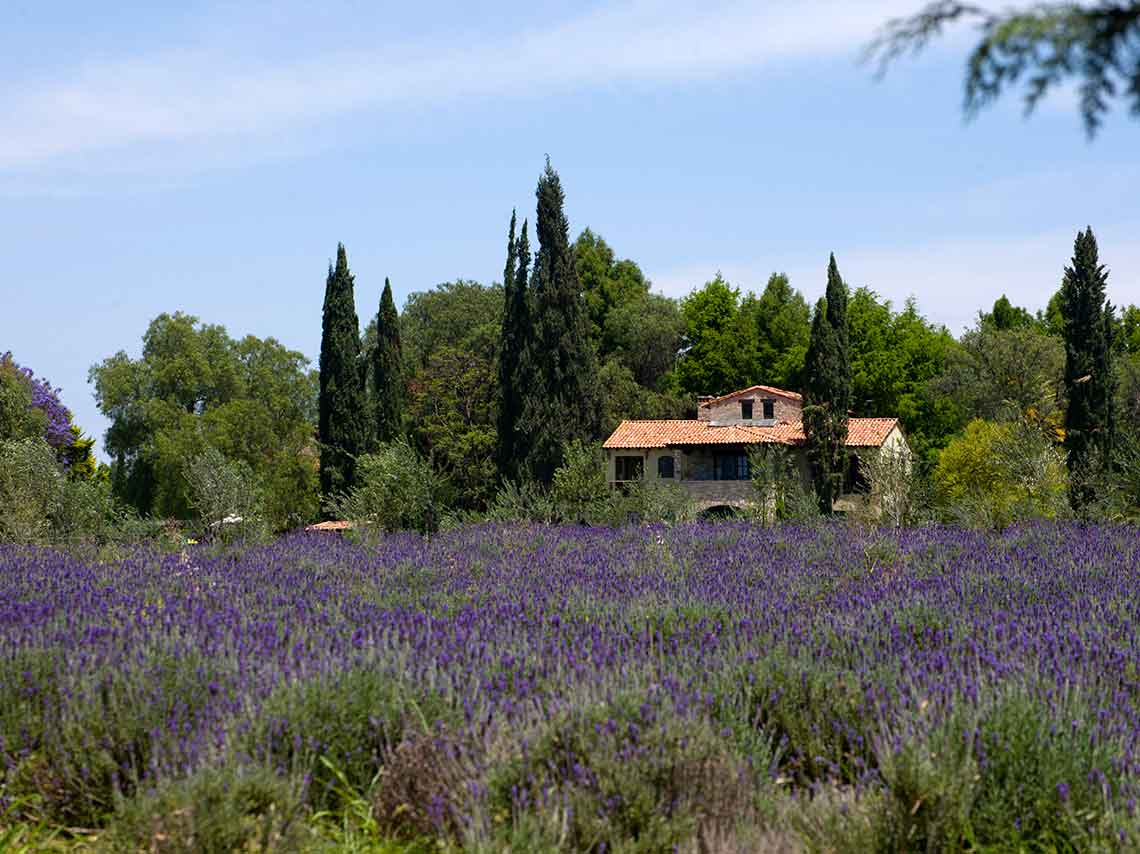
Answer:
(207, 157)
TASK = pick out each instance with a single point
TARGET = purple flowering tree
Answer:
(42, 408)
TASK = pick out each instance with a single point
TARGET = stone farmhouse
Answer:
(708, 456)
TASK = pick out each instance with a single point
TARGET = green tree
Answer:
(607, 283)
(713, 361)
(19, 419)
(895, 357)
(1004, 374)
(194, 387)
(778, 324)
(30, 487)
(579, 490)
(827, 390)
(645, 336)
(1090, 381)
(224, 496)
(387, 371)
(836, 302)
(1050, 319)
(514, 354)
(342, 426)
(443, 317)
(626, 398)
(454, 330)
(1043, 47)
(452, 409)
(564, 402)
(1005, 315)
(1130, 330)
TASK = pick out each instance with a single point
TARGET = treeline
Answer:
(477, 391)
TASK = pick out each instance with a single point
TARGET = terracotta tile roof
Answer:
(753, 388)
(330, 526)
(861, 433)
(869, 432)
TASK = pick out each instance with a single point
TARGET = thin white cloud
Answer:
(951, 279)
(204, 93)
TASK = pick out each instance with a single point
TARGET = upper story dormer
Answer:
(756, 406)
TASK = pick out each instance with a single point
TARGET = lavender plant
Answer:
(576, 688)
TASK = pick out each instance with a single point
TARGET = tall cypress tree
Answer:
(387, 370)
(1090, 381)
(827, 391)
(837, 317)
(513, 350)
(341, 424)
(563, 401)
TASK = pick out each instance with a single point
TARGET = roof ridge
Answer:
(771, 388)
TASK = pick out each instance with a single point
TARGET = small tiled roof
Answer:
(753, 388)
(330, 526)
(861, 433)
(869, 432)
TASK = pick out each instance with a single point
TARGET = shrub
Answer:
(214, 811)
(86, 512)
(31, 484)
(1010, 774)
(425, 786)
(120, 727)
(782, 495)
(580, 492)
(224, 496)
(339, 726)
(998, 473)
(396, 489)
(899, 495)
(649, 501)
(40, 503)
(630, 773)
(522, 502)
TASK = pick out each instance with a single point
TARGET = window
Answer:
(769, 410)
(732, 467)
(746, 410)
(628, 468)
(665, 467)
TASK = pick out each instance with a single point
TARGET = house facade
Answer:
(708, 456)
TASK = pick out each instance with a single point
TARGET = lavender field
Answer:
(705, 687)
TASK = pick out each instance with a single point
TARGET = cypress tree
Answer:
(341, 417)
(827, 391)
(562, 402)
(513, 372)
(387, 370)
(837, 317)
(1090, 381)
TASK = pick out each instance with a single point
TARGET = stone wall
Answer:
(728, 411)
(710, 493)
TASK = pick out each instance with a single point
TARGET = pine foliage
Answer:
(387, 371)
(827, 390)
(562, 403)
(341, 415)
(1090, 383)
(514, 351)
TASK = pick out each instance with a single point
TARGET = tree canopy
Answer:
(1039, 48)
(195, 387)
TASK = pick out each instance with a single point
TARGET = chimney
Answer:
(702, 409)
